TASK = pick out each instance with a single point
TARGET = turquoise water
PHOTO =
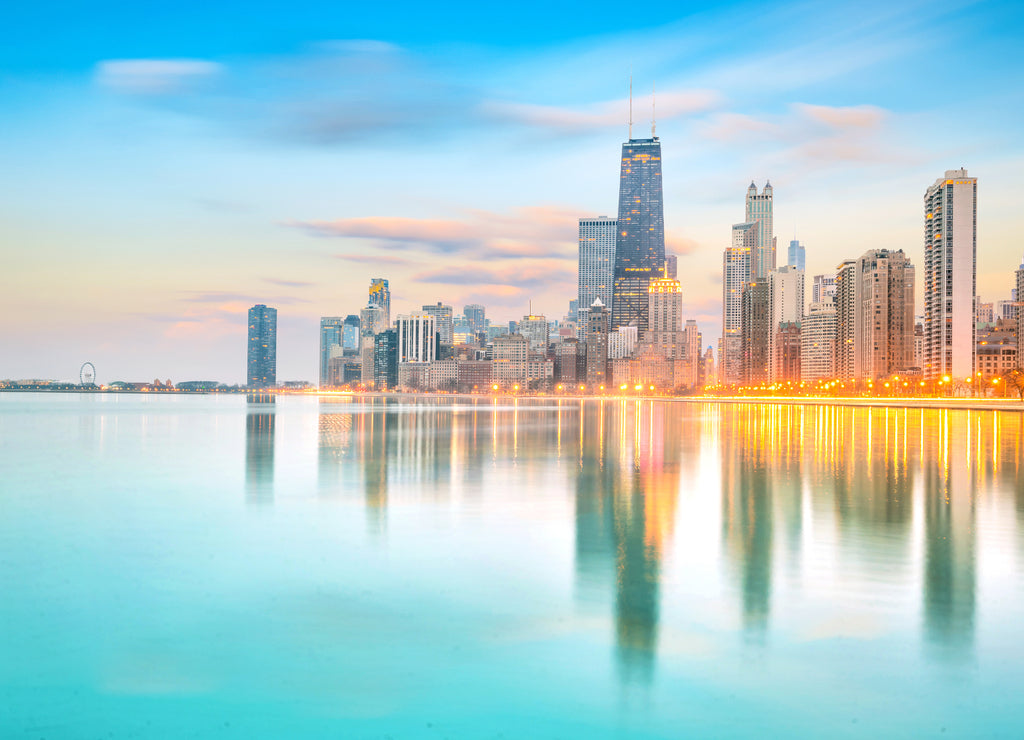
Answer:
(206, 567)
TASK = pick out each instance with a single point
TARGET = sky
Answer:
(164, 167)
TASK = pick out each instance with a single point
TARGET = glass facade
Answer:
(261, 366)
(640, 232)
(596, 265)
(331, 343)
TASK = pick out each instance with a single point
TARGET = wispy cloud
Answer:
(154, 76)
(374, 259)
(230, 301)
(288, 283)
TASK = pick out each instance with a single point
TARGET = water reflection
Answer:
(844, 505)
(259, 448)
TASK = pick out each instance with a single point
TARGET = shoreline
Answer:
(949, 404)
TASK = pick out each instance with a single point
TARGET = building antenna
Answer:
(654, 110)
(631, 103)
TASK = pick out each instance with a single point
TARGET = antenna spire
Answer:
(654, 110)
(631, 103)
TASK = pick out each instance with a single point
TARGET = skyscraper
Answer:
(786, 298)
(380, 295)
(476, 315)
(846, 320)
(331, 343)
(823, 288)
(261, 370)
(640, 235)
(1019, 296)
(417, 338)
(596, 264)
(665, 317)
(671, 266)
(736, 273)
(535, 329)
(818, 341)
(350, 333)
(884, 343)
(443, 320)
(950, 271)
(756, 322)
(797, 255)
(371, 323)
(385, 359)
(597, 343)
(760, 211)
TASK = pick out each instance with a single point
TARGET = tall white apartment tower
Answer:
(786, 301)
(417, 340)
(759, 211)
(735, 275)
(950, 274)
(596, 266)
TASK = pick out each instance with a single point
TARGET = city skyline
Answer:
(173, 218)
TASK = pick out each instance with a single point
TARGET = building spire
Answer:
(654, 110)
(631, 104)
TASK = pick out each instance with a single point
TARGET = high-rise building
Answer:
(372, 321)
(691, 355)
(417, 338)
(536, 330)
(788, 348)
(350, 333)
(710, 374)
(511, 354)
(476, 315)
(786, 298)
(261, 365)
(797, 256)
(884, 343)
(950, 273)
(443, 320)
(756, 328)
(846, 320)
(818, 341)
(640, 232)
(622, 342)
(385, 359)
(331, 343)
(671, 266)
(665, 317)
(380, 295)
(736, 273)
(1019, 296)
(597, 343)
(823, 288)
(984, 313)
(596, 263)
(760, 211)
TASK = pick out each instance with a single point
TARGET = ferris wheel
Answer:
(87, 375)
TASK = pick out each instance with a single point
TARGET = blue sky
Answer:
(165, 167)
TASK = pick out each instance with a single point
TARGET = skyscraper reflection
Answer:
(259, 448)
(627, 486)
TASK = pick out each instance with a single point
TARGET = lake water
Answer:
(203, 566)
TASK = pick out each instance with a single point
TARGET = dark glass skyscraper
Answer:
(261, 370)
(640, 239)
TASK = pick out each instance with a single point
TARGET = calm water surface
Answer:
(207, 567)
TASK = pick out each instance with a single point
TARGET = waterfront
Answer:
(451, 567)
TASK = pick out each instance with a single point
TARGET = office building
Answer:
(350, 334)
(671, 266)
(385, 360)
(372, 321)
(380, 295)
(756, 328)
(261, 360)
(691, 355)
(640, 232)
(536, 330)
(476, 315)
(818, 341)
(786, 300)
(950, 271)
(736, 273)
(597, 343)
(1019, 296)
(759, 211)
(884, 344)
(797, 256)
(788, 348)
(846, 320)
(443, 320)
(331, 344)
(510, 356)
(596, 263)
(823, 288)
(984, 313)
(417, 337)
(622, 342)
